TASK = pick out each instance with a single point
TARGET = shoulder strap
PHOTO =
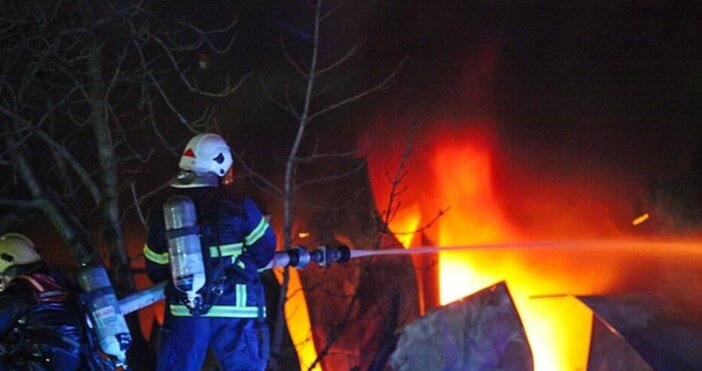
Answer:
(44, 288)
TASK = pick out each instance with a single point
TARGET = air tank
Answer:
(184, 249)
(108, 323)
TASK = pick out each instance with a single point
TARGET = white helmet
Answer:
(206, 153)
(16, 249)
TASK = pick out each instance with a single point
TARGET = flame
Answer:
(541, 283)
(405, 223)
(642, 218)
(559, 329)
(463, 175)
(298, 320)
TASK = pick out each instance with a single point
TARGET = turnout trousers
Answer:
(240, 344)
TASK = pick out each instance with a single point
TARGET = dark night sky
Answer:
(601, 94)
(611, 86)
(604, 95)
(617, 82)
(603, 83)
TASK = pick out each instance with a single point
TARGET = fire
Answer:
(405, 223)
(463, 177)
(557, 329)
(298, 320)
(640, 219)
(460, 176)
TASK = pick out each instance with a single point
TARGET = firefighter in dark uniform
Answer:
(41, 325)
(236, 242)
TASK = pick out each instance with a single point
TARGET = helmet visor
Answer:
(190, 179)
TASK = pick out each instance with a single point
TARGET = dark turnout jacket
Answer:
(233, 231)
(41, 325)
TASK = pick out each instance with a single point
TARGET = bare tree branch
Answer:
(285, 107)
(248, 171)
(291, 61)
(226, 91)
(380, 86)
(203, 38)
(325, 179)
(137, 206)
(331, 11)
(349, 53)
(310, 71)
(25, 204)
(74, 163)
(81, 250)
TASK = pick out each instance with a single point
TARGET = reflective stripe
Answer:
(233, 250)
(154, 256)
(36, 283)
(257, 233)
(229, 311)
(241, 294)
(227, 250)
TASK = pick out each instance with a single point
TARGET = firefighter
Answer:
(41, 325)
(236, 241)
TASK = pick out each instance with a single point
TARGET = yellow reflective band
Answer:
(257, 232)
(227, 250)
(241, 295)
(154, 256)
(227, 311)
(234, 250)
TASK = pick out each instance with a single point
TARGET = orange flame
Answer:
(298, 320)
(558, 326)
(405, 223)
(644, 217)
(463, 177)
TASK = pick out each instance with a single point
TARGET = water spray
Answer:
(639, 245)
(299, 257)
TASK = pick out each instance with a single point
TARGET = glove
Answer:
(245, 268)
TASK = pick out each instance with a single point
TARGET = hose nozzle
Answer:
(325, 255)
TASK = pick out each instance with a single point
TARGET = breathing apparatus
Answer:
(184, 249)
(204, 160)
(105, 319)
(297, 257)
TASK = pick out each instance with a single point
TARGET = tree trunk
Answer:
(112, 231)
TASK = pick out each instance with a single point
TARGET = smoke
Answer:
(538, 190)
(590, 109)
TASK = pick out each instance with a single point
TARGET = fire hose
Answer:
(297, 257)
(107, 313)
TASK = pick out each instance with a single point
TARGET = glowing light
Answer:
(558, 329)
(644, 217)
(298, 320)
(455, 170)
(405, 223)
(303, 234)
